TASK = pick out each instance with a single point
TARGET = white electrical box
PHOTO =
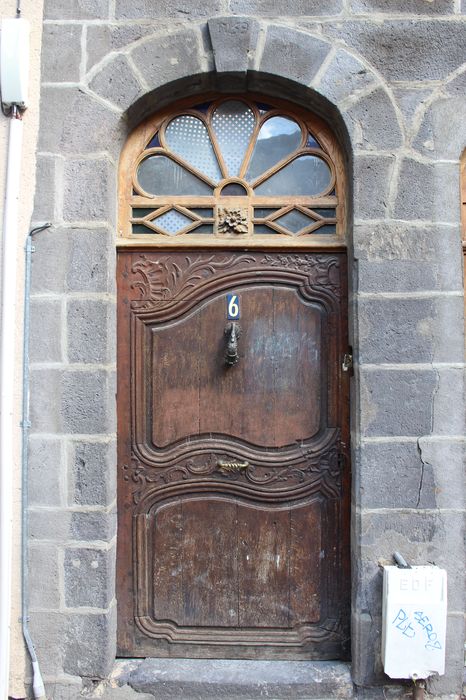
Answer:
(414, 621)
(14, 61)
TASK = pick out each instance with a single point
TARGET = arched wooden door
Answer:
(233, 536)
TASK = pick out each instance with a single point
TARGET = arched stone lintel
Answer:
(236, 54)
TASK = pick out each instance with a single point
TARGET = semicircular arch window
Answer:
(233, 169)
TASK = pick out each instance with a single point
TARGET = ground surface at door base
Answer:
(194, 679)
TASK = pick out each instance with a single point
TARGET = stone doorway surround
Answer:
(406, 319)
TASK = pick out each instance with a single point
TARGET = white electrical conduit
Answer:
(8, 356)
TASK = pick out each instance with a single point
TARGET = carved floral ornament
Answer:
(232, 168)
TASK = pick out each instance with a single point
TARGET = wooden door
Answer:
(233, 479)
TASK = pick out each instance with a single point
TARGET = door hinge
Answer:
(347, 364)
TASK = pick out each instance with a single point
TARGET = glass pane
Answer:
(326, 213)
(278, 137)
(262, 228)
(206, 213)
(188, 137)
(234, 189)
(305, 176)
(203, 228)
(172, 221)
(140, 228)
(233, 123)
(139, 213)
(262, 213)
(311, 142)
(159, 175)
(330, 228)
(294, 221)
(154, 143)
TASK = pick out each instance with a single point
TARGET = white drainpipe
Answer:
(8, 355)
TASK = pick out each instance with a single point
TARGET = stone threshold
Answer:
(197, 679)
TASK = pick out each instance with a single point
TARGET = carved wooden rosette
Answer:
(165, 463)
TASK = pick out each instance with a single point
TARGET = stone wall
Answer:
(393, 86)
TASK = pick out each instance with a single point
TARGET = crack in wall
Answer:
(424, 462)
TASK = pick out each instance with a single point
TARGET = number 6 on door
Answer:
(232, 307)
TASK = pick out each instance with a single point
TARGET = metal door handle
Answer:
(232, 332)
(226, 467)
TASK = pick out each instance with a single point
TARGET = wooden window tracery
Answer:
(232, 171)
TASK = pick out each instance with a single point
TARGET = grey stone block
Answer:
(72, 401)
(86, 190)
(442, 133)
(415, 7)
(49, 524)
(92, 473)
(63, 688)
(92, 526)
(404, 49)
(45, 471)
(48, 630)
(89, 577)
(448, 403)
(90, 644)
(371, 186)
(452, 681)
(366, 644)
(374, 118)
(233, 41)
(73, 260)
(397, 402)
(396, 257)
(44, 577)
(427, 192)
(292, 54)
(422, 537)
(91, 258)
(89, 329)
(74, 122)
(103, 39)
(344, 76)
(288, 9)
(432, 326)
(76, 9)
(169, 57)
(87, 403)
(63, 41)
(410, 276)
(117, 83)
(45, 391)
(44, 198)
(445, 460)
(410, 100)
(146, 9)
(46, 327)
(211, 678)
(394, 476)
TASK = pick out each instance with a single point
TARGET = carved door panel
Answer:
(233, 478)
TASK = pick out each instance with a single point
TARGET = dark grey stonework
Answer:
(373, 70)
(292, 55)
(431, 52)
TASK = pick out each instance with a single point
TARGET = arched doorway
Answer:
(232, 390)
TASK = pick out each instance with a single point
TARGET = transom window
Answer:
(232, 170)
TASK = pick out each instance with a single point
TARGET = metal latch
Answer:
(347, 363)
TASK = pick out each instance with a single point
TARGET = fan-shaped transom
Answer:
(233, 169)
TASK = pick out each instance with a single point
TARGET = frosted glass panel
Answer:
(295, 221)
(172, 221)
(278, 137)
(233, 122)
(159, 175)
(188, 137)
(306, 176)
